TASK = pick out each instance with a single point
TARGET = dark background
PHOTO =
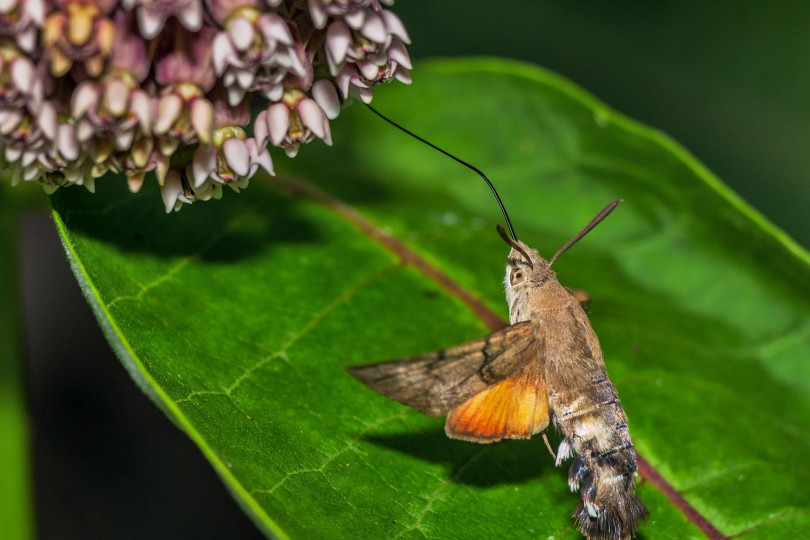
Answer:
(727, 80)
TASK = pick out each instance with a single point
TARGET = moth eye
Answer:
(517, 276)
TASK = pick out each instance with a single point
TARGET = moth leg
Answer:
(548, 445)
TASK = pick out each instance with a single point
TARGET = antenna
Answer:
(451, 156)
(594, 222)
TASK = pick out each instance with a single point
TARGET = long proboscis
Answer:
(512, 242)
(594, 222)
(459, 160)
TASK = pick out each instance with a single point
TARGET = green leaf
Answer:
(16, 514)
(238, 317)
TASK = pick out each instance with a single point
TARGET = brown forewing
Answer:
(437, 382)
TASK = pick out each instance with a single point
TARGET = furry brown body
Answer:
(546, 364)
(582, 400)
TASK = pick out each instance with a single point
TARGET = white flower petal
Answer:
(123, 138)
(85, 97)
(297, 65)
(338, 41)
(327, 135)
(150, 22)
(240, 30)
(374, 28)
(259, 156)
(235, 95)
(141, 151)
(141, 105)
(312, 116)
(10, 120)
(229, 78)
(274, 28)
(47, 120)
(35, 95)
(326, 96)
(13, 153)
(202, 118)
(402, 75)
(274, 93)
(236, 155)
(356, 18)
(278, 122)
(28, 158)
(36, 9)
(171, 190)
(205, 159)
(168, 110)
(244, 78)
(192, 16)
(368, 70)
(317, 14)
(135, 181)
(260, 130)
(161, 168)
(22, 74)
(222, 51)
(7, 5)
(366, 94)
(394, 26)
(116, 97)
(67, 143)
(399, 54)
(27, 39)
(344, 79)
(167, 146)
(291, 149)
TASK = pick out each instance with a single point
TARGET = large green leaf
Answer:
(238, 317)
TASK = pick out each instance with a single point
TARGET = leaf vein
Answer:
(312, 323)
(349, 446)
(337, 302)
(180, 265)
(435, 495)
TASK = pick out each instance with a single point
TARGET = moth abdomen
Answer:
(617, 520)
(609, 508)
(604, 467)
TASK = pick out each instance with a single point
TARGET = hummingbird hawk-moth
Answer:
(546, 366)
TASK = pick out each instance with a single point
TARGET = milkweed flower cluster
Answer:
(167, 86)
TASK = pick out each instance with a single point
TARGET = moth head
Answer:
(524, 264)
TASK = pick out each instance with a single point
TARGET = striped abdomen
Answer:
(604, 467)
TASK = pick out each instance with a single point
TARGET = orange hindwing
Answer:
(515, 408)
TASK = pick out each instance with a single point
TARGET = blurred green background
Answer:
(728, 80)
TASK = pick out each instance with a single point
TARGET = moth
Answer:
(546, 366)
